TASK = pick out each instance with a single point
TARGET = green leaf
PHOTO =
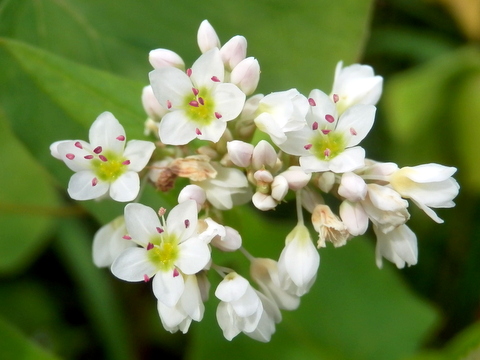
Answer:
(354, 310)
(27, 204)
(14, 345)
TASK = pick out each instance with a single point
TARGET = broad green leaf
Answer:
(14, 345)
(27, 204)
(354, 310)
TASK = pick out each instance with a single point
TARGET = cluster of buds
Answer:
(306, 146)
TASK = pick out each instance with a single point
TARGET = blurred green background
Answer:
(63, 62)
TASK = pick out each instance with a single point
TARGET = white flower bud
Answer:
(296, 177)
(263, 176)
(264, 155)
(326, 181)
(354, 217)
(263, 202)
(163, 58)
(207, 38)
(352, 187)
(231, 241)
(193, 192)
(234, 51)
(246, 75)
(152, 107)
(279, 188)
(240, 152)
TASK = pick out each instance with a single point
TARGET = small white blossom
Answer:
(398, 246)
(105, 165)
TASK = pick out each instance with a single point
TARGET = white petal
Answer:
(126, 187)
(171, 316)
(194, 256)
(80, 186)
(139, 153)
(226, 321)
(170, 84)
(208, 65)
(182, 220)
(141, 222)
(427, 173)
(296, 141)
(354, 217)
(108, 242)
(167, 287)
(191, 301)
(248, 304)
(232, 287)
(104, 132)
(324, 105)
(350, 159)
(311, 163)
(229, 101)
(358, 120)
(176, 128)
(73, 156)
(133, 264)
(213, 131)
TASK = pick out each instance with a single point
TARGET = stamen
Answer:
(329, 118)
(352, 131)
(175, 272)
(162, 211)
(70, 156)
(327, 152)
(103, 158)
(325, 131)
(189, 72)
(126, 162)
(198, 132)
(187, 223)
(126, 237)
(159, 229)
(215, 79)
(195, 91)
(146, 278)
(94, 181)
(218, 115)
(335, 98)
(97, 150)
(200, 100)
(169, 104)
(120, 138)
(78, 145)
(149, 246)
(315, 126)
(88, 157)
(308, 146)
(193, 103)
(312, 102)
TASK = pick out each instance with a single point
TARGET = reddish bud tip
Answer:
(97, 150)
(120, 138)
(308, 146)
(78, 145)
(159, 229)
(312, 102)
(215, 79)
(329, 118)
(70, 156)
(201, 101)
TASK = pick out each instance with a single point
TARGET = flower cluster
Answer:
(311, 146)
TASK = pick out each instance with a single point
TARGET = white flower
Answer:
(168, 248)
(329, 142)
(109, 242)
(355, 84)
(189, 307)
(105, 164)
(299, 261)
(399, 246)
(280, 112)
(429, 185)
(240, 308)
(200, 103)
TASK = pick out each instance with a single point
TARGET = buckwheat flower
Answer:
(189, 307)
(355, 84)
(159, 58)
(109, 242)
(429, 185)
(105, 165)
(207, 37)
(280, 112)
(234, 51)
(299, 261)
(168, 248)
(246, 75)
(398, 246)
(329, 142)
(199, 103)
(240, 308)
(329, 227)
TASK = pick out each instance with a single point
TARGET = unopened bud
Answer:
(230, 242)
(207, 38)
(279, 188)
(165, 58)
(326, 181)
(246, 75)
(152, 107)
(352, 187)
(234, 51)
(240, 153)
(264, 155)
(263, 202)
(296, 177)
(193, 192)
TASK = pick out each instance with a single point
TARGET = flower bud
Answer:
(240, 153)
(232, 240)
(296, 177)
(207, 38)
(234, 51)
(264, 155)
(152, 107)
(193, 192)
(354, 217)
(279, 188)
(263, 202)
(352, 187)
(263, 176)
(163, 57)
(246, 75)
(326, 181)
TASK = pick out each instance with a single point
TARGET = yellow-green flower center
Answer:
(164, 252)
(200, 107)
(109, 166)
(327, 146)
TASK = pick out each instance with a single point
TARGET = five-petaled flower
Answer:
(105, 164)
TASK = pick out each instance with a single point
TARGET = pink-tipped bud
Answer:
(246, 75)
(232, 240)
(263, 176)
(207, 38)
(234, 51)
(160, 58)
(193, 192)
(240, 153)
(264, 155)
